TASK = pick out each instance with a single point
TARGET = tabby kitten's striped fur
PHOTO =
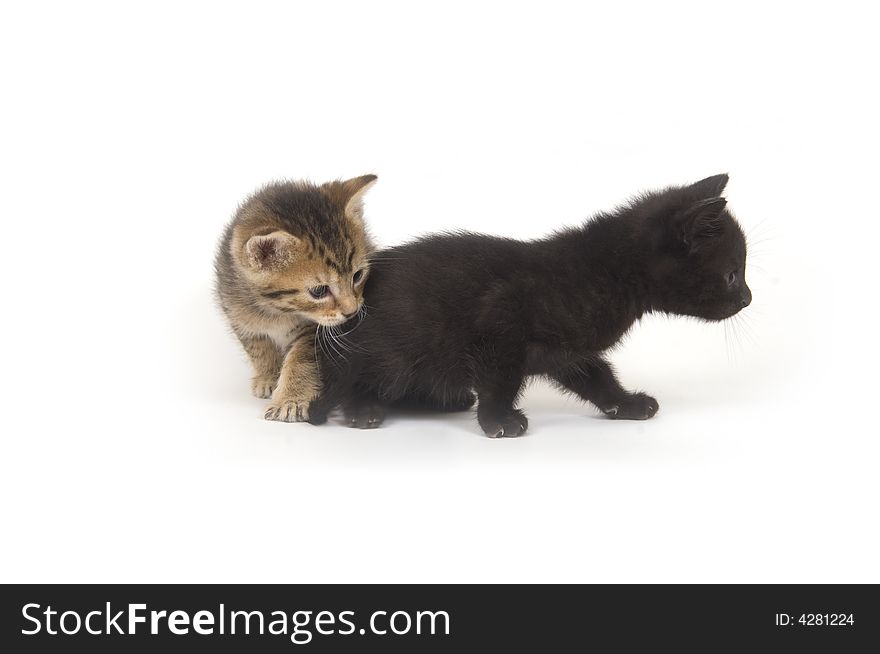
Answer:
(293, 258)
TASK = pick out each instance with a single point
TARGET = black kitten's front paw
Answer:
(318, 413)
(317, 418)
(509, 425)
(637, 406)
(368, 415)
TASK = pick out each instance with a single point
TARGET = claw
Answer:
(287, 411)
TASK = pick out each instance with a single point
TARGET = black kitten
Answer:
(453, 314)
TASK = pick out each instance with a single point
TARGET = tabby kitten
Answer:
(455, 313)
(292, 260)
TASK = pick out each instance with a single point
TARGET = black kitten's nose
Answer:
(746, 297)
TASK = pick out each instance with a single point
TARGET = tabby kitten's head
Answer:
(699, 261)
(303, 249)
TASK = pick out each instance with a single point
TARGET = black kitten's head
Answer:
(699, 263)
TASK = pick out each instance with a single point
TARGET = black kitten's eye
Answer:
(358, 276)
(319, 291)
(731, 278)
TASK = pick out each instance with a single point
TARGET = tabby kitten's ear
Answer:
(350, 194)
(702, 221)
(272, 251)
(711, 187)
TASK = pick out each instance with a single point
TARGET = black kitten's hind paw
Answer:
(366, 415)
(510, 425)
(637, 406)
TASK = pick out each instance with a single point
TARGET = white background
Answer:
(132, 450)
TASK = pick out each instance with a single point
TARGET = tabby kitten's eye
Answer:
(357, 277)
(731, 278)
(318, 292)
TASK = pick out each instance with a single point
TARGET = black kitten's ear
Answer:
(711, 187)
(270, 251)
(702, 222)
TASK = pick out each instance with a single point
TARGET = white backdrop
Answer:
(132, 450)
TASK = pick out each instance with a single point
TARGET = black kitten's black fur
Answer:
(450, 315)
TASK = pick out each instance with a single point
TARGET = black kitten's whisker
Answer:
(751, 230)
(762, 230)
(749, 329)
(737, 343)
(742, 336)
(727, 343)
(758, 244)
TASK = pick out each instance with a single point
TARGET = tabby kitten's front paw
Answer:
(509, 425)
(288, 410)
(262, 387)
(637, 406)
